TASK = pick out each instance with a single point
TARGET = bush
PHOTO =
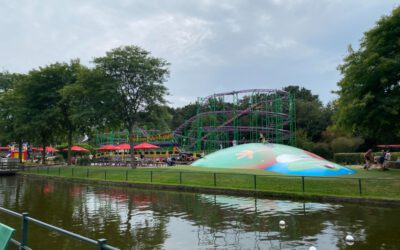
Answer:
(358, 158)
(321, 149)
(346, 144)
(349, 158)
(83, 161)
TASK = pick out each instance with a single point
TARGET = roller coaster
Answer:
(225, 119)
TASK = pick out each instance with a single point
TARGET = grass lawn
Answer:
(367, 184)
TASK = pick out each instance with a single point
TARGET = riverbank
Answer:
(372, 187)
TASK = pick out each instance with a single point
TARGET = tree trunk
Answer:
(20, 151)
(69, 147)
(44, 153)
(130, 129)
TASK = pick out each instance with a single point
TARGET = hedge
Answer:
(358, 158)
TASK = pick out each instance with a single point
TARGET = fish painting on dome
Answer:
(272, 157)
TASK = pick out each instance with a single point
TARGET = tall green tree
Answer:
(12, 127)
(312, 116)
(139, 79)
(369, 94)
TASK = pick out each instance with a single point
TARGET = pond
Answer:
(150, 219)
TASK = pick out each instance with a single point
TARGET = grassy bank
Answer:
(373, 184)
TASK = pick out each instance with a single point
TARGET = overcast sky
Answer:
(213, 45)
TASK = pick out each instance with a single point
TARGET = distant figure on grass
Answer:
(368, 158)
(388, 156)
(382, 159)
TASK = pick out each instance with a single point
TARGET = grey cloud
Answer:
(212, 45)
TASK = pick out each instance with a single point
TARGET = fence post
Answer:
(126, 175)
(359, 186)
(180, 178)
(302, 184)
(105, 174)
(151, 176)
(87, 173)
(215, 179)
(101, 243)
(24, 235)
(255, 182)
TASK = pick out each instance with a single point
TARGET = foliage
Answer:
(139, 82)
(138, 79)
(346, 144)
(369, 94)
(312, 116)
(348, 158)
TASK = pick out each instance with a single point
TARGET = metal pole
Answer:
(87, 173)
(47, 170)
(105, 174)
(302, 184)
(72, 172)
(180, 177)
(59, 171)
(101, 243)
(24, 236)
(359, 186)
(255, 182)
(126, 175)
(151, 176)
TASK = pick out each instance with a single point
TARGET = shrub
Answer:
(358, 158)
(83, 161)
(346, 144)
(348, 158)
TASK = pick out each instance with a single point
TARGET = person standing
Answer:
(388, 157)
(368, 158)
(381, 159)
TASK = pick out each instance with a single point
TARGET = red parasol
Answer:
(123, 146)
(145, 145)
(77, 149)
(107, 147)
(48, 149)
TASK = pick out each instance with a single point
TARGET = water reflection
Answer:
(140, 219)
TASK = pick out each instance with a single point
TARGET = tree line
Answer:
(125, 89)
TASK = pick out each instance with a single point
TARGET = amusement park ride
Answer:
(223, 120)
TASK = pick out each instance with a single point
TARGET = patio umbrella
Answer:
(145, 145)
(107, 147)
(123, 146)
(77, 149)
(48, 149)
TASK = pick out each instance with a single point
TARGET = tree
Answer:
(369, 94)
(312, 116)
(41, 104)
(139, 80)
(11, 124)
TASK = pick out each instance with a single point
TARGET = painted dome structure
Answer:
(272, 157)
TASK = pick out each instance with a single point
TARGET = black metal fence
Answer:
(335, 186)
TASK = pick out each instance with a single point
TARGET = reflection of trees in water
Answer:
(139, 219)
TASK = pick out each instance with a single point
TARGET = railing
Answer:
(336, 186)
(9, 166)
(25, 219)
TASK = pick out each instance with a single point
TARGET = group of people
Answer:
(383, 159)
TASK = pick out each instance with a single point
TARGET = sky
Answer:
(213, 45)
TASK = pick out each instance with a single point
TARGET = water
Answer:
(144, 219)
